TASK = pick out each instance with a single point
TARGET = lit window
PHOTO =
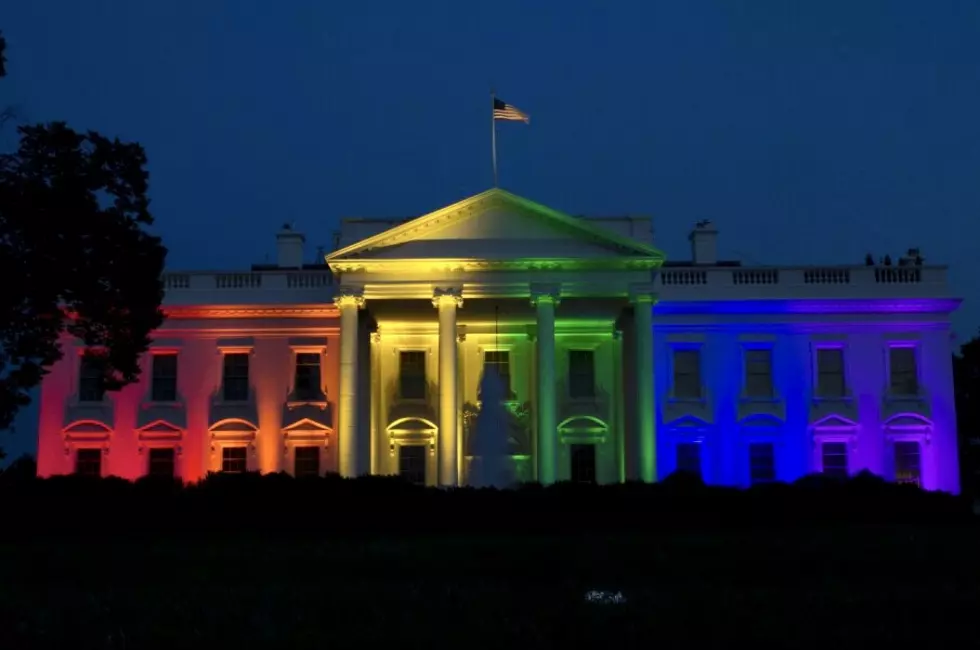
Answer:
(411, 374)
(830, 372)
(164, 387)
(689, 457)
(762, 462)
(908, 463)
(161, 462)
(581, 374)
(307, 376)
(234, 386)
(500, 361)
(904, 378)
(687, 374)
(91, 387)
(306, 461)
(758, 373)
(234, 459)
(834, 459)
(88, 462)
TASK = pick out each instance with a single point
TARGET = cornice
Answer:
(239, 311)
(446, 265)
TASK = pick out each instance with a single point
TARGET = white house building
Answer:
(620, 364)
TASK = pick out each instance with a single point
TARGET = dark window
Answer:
(411, 374)
(234, 459)
(830, 372)
(162, 462)
(308, 376)
(411, 463)
(687, 374)
(583, 463)
(758, 373)
(689, 457)
(164, 378)
(88, 462)
(762, 462)
(307, 461)
(91, 387)
(581, 374)
(908, 463)
(500, 361)
(834, 456)
(235, 379)
(904, 375)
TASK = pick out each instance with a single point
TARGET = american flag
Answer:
(504, 111)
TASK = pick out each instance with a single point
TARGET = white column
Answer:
(376, 446)
(617, 408)
(447, 301)
(646, 425)
(544, 299)
(460, 403)
(349, 304)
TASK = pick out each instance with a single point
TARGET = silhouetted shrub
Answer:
(280, 504)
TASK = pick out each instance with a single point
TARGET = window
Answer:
(689, 457)
(581, 374)
(91, 387)
(162, 462)
(164, 378)
(234, 459)
(687, 374)
(306, 461)
(307, 385)
(500, 361)
(411, 463)
(904, 377)
(830, 372)
(834, 459)
(235, 379)
(411, 374)
(908, 463)
(758, 373)
(583, 463)
(88, 462)
(762, 462)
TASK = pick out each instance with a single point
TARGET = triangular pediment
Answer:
(834, 421)
(687, 423)
(162, 427)
(307, 424)
(497, 226)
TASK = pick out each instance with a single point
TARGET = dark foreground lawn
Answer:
(787, 584)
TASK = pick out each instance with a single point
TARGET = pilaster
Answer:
(645, 444)
(349, 302)
(545, 299)
(447, 301)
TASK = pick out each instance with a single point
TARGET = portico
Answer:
(540, 295)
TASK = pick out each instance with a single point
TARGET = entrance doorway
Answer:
(411, 463)
(583, 463)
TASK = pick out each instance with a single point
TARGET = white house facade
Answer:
(618, 363)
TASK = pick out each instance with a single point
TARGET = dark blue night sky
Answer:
(808, 131)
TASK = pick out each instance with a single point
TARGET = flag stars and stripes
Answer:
(505, 111)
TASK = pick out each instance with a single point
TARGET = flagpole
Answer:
(493, 135)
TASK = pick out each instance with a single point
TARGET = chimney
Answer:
(704, 243)
(289, 248)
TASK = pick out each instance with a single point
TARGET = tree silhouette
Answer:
(966, 381)
(75, 256)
